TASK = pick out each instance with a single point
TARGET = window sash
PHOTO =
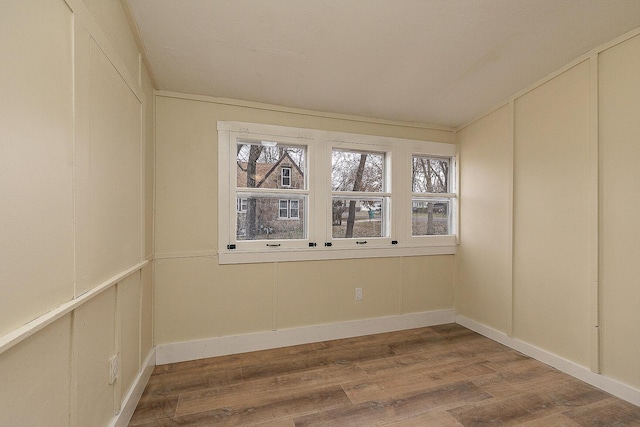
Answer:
(422, 172)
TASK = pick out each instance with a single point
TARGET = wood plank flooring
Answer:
(443, 375)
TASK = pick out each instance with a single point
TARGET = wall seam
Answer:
(594, 206)
(510, 217)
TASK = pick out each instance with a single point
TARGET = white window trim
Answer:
(387, 151)
(452, 197)
(317, 209)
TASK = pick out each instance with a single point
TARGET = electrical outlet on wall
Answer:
(114, 368)
(358, 294)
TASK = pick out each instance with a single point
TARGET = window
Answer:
(432, 196)
(257, 163)
(289, 209)
(241, 205)
(285, 177)
(303, 194)
(294, 209)
(358, 181)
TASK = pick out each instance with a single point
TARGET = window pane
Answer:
(357, 171)
(284, 209)
(261, 166)
(286, 177)
(294, 211)
(430, 217)
(267, 218)
(430, 175)
(354, 218)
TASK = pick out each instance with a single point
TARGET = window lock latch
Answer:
(328, 244)
(231, 246)
(312, 244)
(361, 242)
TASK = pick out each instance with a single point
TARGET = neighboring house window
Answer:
(294, 209)
(284, 209)
(285, 177)
(289, 209)
(304, 194)
(241, 204)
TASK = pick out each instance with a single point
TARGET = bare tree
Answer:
(254, 154)
(429, 185)
(357, 186)
(430, 175)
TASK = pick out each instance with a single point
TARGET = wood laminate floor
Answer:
(443, 375)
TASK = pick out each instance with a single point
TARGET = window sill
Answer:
(321, 253)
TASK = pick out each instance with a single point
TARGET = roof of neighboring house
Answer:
(264, 173)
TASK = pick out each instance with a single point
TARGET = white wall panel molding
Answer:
(20, 334)
(221, 346)
(616, 388)
(185, 254)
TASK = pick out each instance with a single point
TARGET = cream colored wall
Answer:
(575, 250)
(551, 216)
(76, 120)
(35, 391)
(195, 298)
(35, 159)
(619, 114)
(484, 254)
(108, 170)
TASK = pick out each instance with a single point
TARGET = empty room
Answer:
(320, 213)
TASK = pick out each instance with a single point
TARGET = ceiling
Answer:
(442, 62)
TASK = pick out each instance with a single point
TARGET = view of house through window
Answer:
(268, 179)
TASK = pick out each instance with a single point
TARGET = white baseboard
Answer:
(614, 387)
(221, 346)
(135, 392)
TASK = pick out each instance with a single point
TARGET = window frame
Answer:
(451, 196)
(318, 243)
(282, 177)
(385, 195)
(279, 193)
(289, 209)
